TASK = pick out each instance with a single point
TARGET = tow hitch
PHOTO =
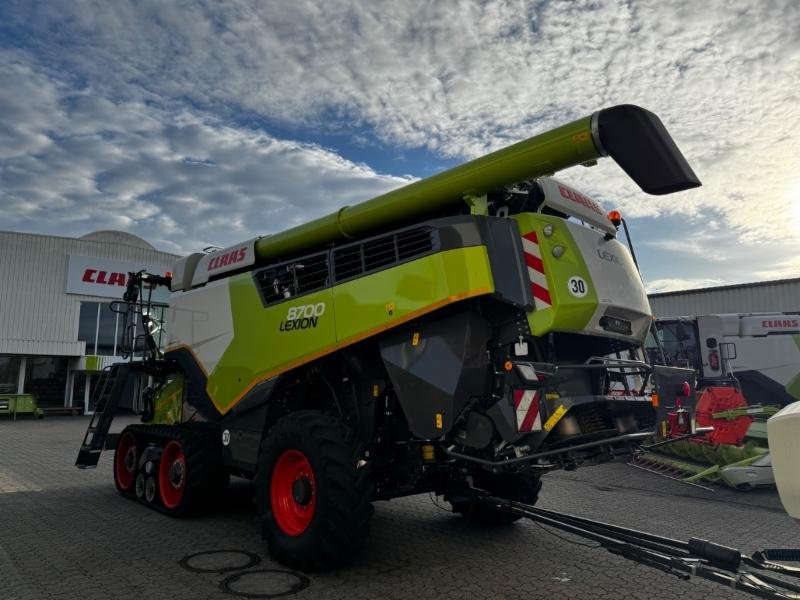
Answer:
(727, 566)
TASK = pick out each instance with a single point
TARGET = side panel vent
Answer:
(382, 252)
(348, 262)
(379, 253)
(413, 243)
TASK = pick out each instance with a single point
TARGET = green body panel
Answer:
(263, 347)
(168, 405)
(544, 154)
(381, 300)
(20, 404)
(260, 349)
(92, 363)
(567, 313)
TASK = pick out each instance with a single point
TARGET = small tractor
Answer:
(462, 335)
(748, 367)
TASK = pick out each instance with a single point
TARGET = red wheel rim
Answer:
(125, 461)
(172, 475)
(293, 493)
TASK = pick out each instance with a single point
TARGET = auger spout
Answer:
(634, 137)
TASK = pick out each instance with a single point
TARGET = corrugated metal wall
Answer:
(36, 315)
(768, 296)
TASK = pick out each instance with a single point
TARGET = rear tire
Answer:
(313, 499)
(520, 487)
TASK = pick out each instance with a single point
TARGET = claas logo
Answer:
(229, 258)
(780, 323)
(104, 277)
(580, 199)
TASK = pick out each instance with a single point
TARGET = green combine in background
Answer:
(463, 334)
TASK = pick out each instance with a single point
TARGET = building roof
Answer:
(779, 295)
(117, 237)
(735, 286)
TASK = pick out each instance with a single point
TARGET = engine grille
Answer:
(382, 252)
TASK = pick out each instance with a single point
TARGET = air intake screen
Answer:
(381, 252)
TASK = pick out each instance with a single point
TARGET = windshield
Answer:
(678, 340)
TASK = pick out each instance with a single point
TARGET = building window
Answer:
(107, 331)
(102, 329)
(9, 374)
(47, 378)
(87, 325)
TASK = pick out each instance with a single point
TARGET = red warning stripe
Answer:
(526, 406)
(534, 262)
(530, 417)
(541, 293)
(536, 273)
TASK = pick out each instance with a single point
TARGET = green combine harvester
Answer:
(460, 335)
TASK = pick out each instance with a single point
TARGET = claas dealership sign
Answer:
(90, 276)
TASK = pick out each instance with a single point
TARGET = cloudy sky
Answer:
(195, 123)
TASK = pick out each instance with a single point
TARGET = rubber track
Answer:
(204, 471)
(342, 523)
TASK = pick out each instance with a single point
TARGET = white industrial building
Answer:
(57, 330)
(781, 295)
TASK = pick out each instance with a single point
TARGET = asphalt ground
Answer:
(67, 533)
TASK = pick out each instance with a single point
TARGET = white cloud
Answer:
(695, 244)
(784, 269)
(677, 284)
(181, 180)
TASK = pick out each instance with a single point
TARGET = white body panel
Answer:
(777, 357)
(758, 474)
(563, 198)
(203, 321)
(226, 260)
(183, 271)
(768, 343)
(612, 270)
(783, 432)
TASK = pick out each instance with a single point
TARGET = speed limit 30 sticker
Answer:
(577, 286)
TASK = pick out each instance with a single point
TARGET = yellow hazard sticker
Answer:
(439, 421)
(552, 395)
(555, 417)
(415, 339)
(580, 137)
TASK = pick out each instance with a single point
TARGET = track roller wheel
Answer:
(139, 490)
(313, 500)
(521, 487)
(126, 458)
(150, 490)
